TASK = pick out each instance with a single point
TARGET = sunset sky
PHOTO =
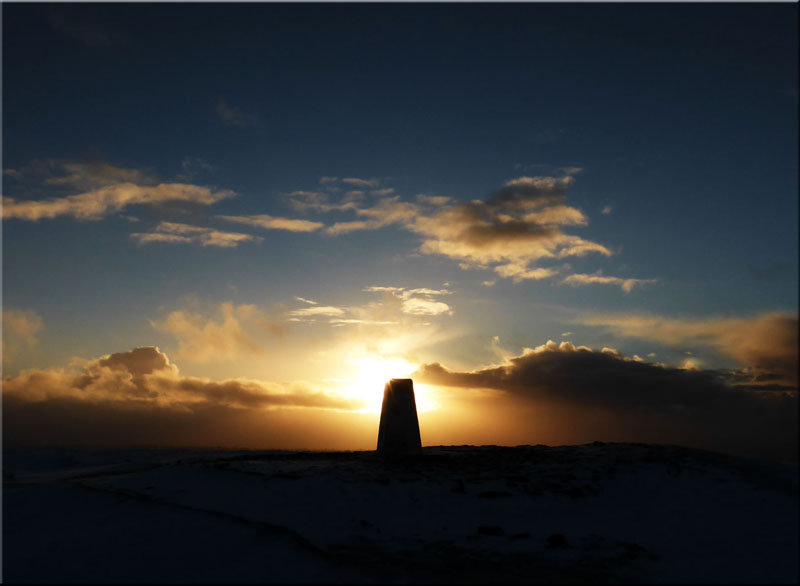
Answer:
(230, 224)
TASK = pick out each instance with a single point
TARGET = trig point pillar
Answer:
(399, 428)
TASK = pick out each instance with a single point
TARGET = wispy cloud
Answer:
(228, 331)
(309, 301)
(105, 189)
(275, 223)
(386, 212)
(765, 344)
(361, 182)
(316, 201)
(176, 233)
(419, 301)
(317, 310)
(20, 331)
(235, 116)
(627, 285)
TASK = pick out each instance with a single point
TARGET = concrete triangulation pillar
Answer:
(399, 428)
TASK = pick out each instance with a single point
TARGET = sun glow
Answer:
(370, 374)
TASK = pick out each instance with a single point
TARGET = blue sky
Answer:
(634, 168)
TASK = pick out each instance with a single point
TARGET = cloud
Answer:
(765, 344)
(418, 301)
(361, 182)
(626, 399)
(361, 322)
(193, 166)
(140, 398)
(309, 301)
(325, 180)
(173, 232)
(233, 332)
(20, 330)
(386, 212)
(304, 201)
(417, 306)
(627, 285)
(94, 174)
(434, 200)
(489, 283)
(145, 375)
(273, 223)
(235, 116)
(520, 224)
(317, 310)
(105, 189)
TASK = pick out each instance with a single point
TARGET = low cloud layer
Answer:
(147, 398)
(631, 400)
(146, 376)
(103, 190)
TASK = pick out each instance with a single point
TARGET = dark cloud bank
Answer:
(592, 395)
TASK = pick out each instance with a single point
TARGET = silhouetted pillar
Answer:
(398, 432)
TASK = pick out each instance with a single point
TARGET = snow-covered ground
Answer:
(592, 513)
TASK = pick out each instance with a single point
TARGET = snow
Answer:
(593, 513)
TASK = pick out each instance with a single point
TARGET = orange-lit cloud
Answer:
(386, 212)
(20, 330)
(146, 376)
(317, 310)
(273, 223)
(765, 344)
(104, 189)
(140, 398)
(627, 285)
(173, 232)
(231, 331)
(520, 224)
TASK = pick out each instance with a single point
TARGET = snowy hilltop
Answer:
(596, 513)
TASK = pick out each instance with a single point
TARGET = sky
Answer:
(229, 225)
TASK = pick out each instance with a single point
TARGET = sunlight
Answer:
(370, 374)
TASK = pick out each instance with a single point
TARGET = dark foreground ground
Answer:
(599, 513)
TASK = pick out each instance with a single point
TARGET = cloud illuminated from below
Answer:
(177, 233)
